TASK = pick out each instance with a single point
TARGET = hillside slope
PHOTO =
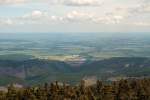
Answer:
(36, 71)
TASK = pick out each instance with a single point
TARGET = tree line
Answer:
(135, 89)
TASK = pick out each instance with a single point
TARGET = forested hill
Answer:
(126, 66)
(36, 71)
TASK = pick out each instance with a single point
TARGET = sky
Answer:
(74, 16)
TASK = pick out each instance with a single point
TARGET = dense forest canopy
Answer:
(118, 90)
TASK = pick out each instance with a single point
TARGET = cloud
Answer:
(55, 2)
(143, 7)
(82, 2)
(34, 17)
(82, 17)
(38, 17)
(114, 19)
(77, 2)
(76, 16)
(36, 14)
(131, 13)
(141, 23)
(6, 21)
(42, 17)
(108, 19)
(140, 9)
(4, 2)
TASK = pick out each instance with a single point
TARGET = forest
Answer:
(134, 89)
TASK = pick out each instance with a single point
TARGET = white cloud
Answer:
(116, 19)
(36, 14)
(73, 16)
(41, 17)
(108, 19)
(145, 8)
(77, 2)
(38, 17)
(142, 23)
(3, 2)
(82, 17)
(142, 7)
(82, 2)
(76, 16)
(6, 21)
